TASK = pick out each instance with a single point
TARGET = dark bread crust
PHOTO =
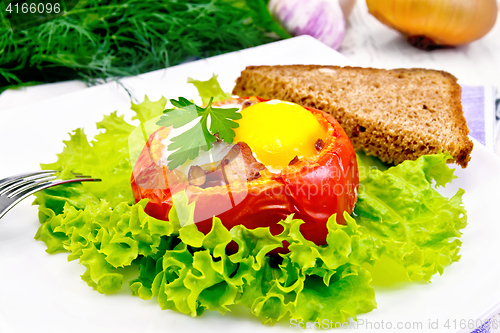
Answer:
(396, 114)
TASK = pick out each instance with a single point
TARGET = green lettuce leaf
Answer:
(148, 110)
(96, 159)
(210, 88)
(105, 239)
(408, 220)
(368, 163)
(399, 216)
(311, 282)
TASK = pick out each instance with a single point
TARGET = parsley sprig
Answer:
(187, 144)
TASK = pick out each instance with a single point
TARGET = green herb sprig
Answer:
(102, 39)
(187, 144)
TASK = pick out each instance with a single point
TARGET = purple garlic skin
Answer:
(321, 19)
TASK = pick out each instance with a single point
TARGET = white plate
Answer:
(44, 293)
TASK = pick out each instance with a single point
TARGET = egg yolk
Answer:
(278, 131)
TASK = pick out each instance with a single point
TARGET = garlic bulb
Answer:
(428, 23)
(321, 19)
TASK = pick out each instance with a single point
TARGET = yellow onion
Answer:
(430, 23)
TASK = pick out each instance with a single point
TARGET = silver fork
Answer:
(16, 188)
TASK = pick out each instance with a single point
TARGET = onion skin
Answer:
(312, 189)
(428, 23)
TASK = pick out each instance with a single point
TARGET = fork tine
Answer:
(18, 185)
(29, 190)
(9, 180)
(17, 181)
(12, 183)
(14, 200)
(81, 176)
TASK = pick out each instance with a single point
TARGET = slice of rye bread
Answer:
(397, 114)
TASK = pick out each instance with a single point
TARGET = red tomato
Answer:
(312, 190)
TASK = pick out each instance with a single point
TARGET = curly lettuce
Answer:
(410, 221)
(399, 215)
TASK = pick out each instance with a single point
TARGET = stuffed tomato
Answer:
(285, 159)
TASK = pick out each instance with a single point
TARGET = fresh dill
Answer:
(97, 39)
